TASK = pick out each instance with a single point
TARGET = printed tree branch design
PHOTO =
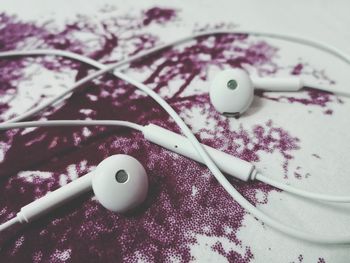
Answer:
(184, 199)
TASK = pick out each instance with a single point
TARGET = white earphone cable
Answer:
(61, 123)
(28, 124)
(259, 177)
(9, 223)
(224, 182)
(187, 132)
(104, 69)
(299, 192)
(318, 86)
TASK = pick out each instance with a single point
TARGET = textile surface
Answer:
(299, 138)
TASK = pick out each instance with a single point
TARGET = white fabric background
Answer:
(328, 136)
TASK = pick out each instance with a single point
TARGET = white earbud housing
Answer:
(120, 183)
(231, 92)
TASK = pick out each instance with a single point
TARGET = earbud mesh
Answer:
(121, 176)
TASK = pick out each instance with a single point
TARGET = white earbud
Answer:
(232, 90)
(120, 183)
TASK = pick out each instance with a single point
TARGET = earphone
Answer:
(232, 90)
(119, 182)
(200, 153)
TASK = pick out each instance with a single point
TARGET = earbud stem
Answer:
(54, 199)
(277, 84)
